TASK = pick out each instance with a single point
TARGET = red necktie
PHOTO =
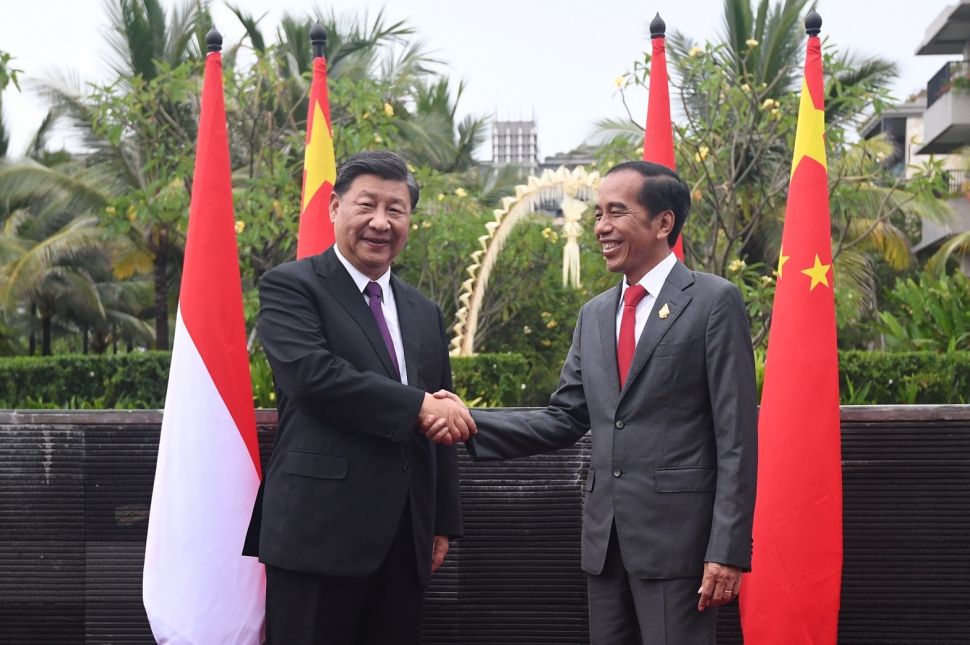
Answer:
(627, 343)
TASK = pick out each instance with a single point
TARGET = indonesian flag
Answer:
(319, 169)
(197, 586)
(658, 136)
(792, 593)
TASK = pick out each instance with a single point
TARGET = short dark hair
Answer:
(383, 163)
(662, 190)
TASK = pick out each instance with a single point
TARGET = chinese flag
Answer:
(319, 169)
(792, 593)
(197, 586)
(658, 137)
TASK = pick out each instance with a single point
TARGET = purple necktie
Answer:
(374, 295)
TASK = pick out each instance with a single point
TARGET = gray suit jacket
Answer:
(674, 452)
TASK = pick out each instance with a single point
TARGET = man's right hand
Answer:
(445, 419)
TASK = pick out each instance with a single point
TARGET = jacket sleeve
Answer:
(503, 434)
(448, 520)
(320, 383)
(731, 383)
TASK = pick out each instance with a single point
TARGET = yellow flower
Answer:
(745, 88)
(552, 324)
(272, 396)
(701, 153)
(545, 314)
(751, 43)
(426, 224)
(695, 51)
(766, 281)
(696, 196)
(240, 226)
(414, 227)
(550, 235)
(388, 109)
(620, 81)
(527, 330)
(365, 115)
(378, 138)
(545, 342)
(461, 192)
(736, 266)
(441, 197)
(776, 113)
(769, 104)
(110, 210)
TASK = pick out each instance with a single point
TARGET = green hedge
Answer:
(138, 380)
(874, 378)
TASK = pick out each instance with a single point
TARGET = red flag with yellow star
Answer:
(319, 169)
(658, 136)
(792, 594)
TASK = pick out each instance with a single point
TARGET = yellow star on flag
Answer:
(810, 132)
(782, 258)
(818, 273)
(318, 161)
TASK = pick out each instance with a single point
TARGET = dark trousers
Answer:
(627, 610)
(383, 608)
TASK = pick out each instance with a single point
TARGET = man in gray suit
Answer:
(661, 370)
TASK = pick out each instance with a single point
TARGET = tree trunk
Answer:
(161, 295)
(32, 342)
(84, 340)
(45, 334)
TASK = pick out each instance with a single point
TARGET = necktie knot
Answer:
(373, 290)
(632, 296)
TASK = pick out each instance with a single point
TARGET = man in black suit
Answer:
(357, 505)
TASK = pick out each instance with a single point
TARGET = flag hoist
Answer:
(319, 164)
(658, 135)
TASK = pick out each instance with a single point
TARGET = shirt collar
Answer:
(360, 279)
(654, 280)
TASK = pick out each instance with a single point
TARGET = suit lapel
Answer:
(606, 325)
(674, 297)
(407, 315)
(339, 283)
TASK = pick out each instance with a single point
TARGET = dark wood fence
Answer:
(75, 490)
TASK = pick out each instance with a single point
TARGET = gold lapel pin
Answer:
(664, 312)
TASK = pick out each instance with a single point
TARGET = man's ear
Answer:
(334, 203)
(665, 224)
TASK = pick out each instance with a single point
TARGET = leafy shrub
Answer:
(138, 380)
(928, 315)
(876, 378)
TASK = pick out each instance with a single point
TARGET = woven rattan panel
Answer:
(75, 490)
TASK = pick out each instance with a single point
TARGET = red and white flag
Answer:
(197, 586)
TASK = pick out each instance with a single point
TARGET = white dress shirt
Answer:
(388, 306)
(653, 282)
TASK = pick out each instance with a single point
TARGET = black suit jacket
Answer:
(348, 455)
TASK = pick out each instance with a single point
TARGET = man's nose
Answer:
(379, 220)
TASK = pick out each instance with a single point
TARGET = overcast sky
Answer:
(554, 59)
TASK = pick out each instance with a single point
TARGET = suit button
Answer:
(617, 472)
(619, 425)
(405, 468)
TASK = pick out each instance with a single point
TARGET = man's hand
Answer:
(720, 584)
(445, 419)
(439, 552)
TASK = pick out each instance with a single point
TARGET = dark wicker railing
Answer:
(951, 74)
(75, 489)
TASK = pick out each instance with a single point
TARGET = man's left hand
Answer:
(720, 585)
(439, 552)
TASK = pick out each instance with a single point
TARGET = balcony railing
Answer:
(954, 72)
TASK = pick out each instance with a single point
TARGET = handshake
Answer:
(444, 418)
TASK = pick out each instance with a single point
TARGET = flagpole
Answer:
(318, 38)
